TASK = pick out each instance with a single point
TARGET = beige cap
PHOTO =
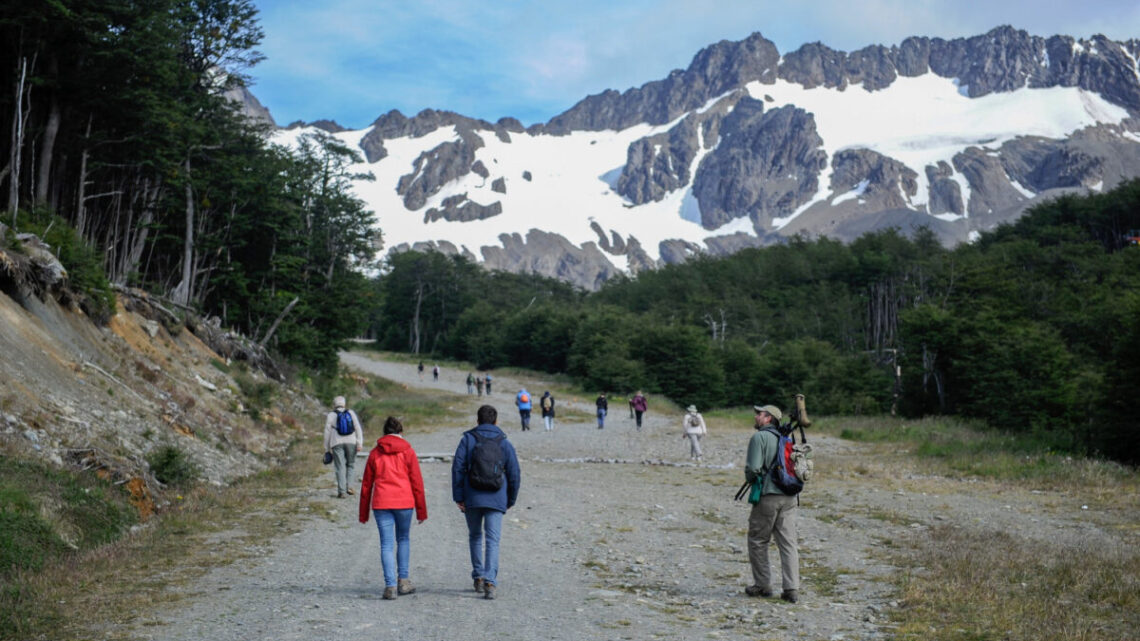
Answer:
(771, 409)
(339, 403)
(692, 409)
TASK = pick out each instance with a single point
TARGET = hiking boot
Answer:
(389, 593)
(489, 591)
(755, 590)
(789, 595)
(349, 490)
(340, 495)
(478, 585)
(404, 586)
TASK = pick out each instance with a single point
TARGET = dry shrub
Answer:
(992, 585)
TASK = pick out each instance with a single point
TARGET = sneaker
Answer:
(404, 586)
(489, 591)
(789, 595)
(755, 590)
(389, 593)
(349, 490)
(478, 585)
(340, 495)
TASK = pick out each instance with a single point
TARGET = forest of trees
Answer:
(119, 142)
(1034, 328)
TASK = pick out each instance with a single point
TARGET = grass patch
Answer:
(959, 448)
(824, 581)
(49, 516)
(990, 585)
(258, 394)
(116, 586)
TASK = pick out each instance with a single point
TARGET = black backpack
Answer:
(344, 423)
(486, 466)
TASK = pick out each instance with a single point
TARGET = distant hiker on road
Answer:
(693, 428)
(435, 373)
(603, 407)
(547, 405)
(522, 401)
(344, 435)
(773, 512)
(479, 385)
(391, 487)
(485, 480)
(420, 369)
(638, 404)
(488, 381)
(470, 383)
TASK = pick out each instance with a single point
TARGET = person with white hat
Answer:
(344, 435)
(693, 428)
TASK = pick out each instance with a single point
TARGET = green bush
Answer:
(172, 466)
(84, 264)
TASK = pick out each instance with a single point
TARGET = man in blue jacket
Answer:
(523, 402)
(485, 482)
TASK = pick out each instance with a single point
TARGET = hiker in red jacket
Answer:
(392, 486)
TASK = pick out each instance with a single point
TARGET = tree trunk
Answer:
(80, 205)
(181, 293)
(47, 148)
(415, 329)
(14, 158)
(281, 317)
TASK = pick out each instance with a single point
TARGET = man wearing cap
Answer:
(343, 446)
(773, 512)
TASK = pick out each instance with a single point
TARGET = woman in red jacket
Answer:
(391, 487)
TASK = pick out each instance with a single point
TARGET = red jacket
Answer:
(392, 479)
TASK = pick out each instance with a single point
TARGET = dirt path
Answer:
(615, 535)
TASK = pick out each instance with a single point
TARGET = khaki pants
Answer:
(774, 516)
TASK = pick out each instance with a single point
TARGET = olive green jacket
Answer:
(761, 455)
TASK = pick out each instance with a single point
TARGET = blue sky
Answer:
(354, 60)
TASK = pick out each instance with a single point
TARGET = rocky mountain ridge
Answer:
(746, 147)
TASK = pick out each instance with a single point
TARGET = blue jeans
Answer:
(484, 527)
(395, 529)
(525, 416)
(601, 418)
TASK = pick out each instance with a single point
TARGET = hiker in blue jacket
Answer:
(474, 465)
(523, 402)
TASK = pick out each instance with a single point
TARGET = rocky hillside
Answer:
(86, 396)
(748, 146)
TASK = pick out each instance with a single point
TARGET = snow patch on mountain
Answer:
(919, 121)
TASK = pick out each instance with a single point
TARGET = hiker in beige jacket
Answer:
(693, 426)
(343, 446)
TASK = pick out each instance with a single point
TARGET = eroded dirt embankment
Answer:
(93, 397)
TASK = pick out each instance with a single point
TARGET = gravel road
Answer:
(616, 535)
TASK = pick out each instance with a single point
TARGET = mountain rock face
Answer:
(746, 148)
(765, 164)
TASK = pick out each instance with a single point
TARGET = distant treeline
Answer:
(1034, 328)
(120, 145)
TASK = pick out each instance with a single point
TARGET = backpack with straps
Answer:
(783, 470)
(547, 402)
(344, 423)
(486, 467)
